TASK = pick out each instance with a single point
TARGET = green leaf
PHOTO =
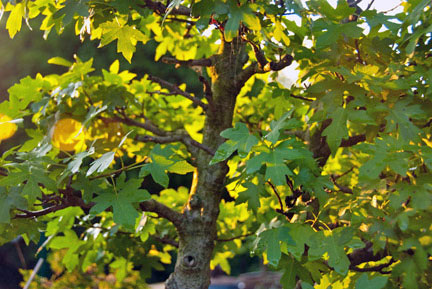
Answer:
(239, 139)
(223, 152)
(241, 136)
(337, 130)
(276, 172)
(72, 7)
(8, 201)
(269, 241)
(276, 126)
(122, 201)
(250, 195)
(232, 25)
(374, 283)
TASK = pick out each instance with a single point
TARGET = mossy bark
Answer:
(198, 231)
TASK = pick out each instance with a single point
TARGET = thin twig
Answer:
(370, 5)
(234, 238)
(207, 91)
(192, 62)
(34, 272)
(161, 9)
(277, 195)
(301, 97)
(343, 189)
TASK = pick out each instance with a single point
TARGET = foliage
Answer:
(93, 277)
(328, 180)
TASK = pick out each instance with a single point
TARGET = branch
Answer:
(353, 140)
(281, 210)
(147, 125)
(33, 214)
(160, 8)
(148, 206)
(208, 94)
(343, 189)
(370, 5)
(255, 67)
(163, 137)
(365, 254)
(301, 97)
(234, 238)
(378, 268)
(175, 89)
(193, 62)
(162, 211)
(189, 142)
(167, 241)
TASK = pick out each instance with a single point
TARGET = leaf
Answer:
(250, 195)
(127, 37)
(181, 168)
(240, 134)
(8, 201)
(122, 201)
(337, 130)
(269, 241)
(276, 126)
(60, 61)
(232, 25)
(72, 7)
(223, 152)
(14, 22)
(374, 283)
(75, 164)
(101, 163)
(239, 139)
(276, 172)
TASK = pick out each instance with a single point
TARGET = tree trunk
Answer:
(198, 231)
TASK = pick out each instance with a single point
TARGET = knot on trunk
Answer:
(189, 261)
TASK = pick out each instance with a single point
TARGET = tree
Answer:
(329, 180)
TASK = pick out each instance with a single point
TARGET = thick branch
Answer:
(255, 67)
(192, 62)
(148, 206)
(163, 137)
(363, 255)
(162, 211)
(33, 214)
(160, 8)
(147, 125)
(342, 188)
(175, 89)
(353, 140)
(167, 241)
(378, 268)
(190, 143)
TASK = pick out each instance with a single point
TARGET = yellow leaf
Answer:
(14, 22)
(7, 128)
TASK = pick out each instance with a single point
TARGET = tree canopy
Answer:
(328, 180)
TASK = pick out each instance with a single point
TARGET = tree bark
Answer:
(197, 231)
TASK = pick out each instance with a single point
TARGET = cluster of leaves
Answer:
(333, 168)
